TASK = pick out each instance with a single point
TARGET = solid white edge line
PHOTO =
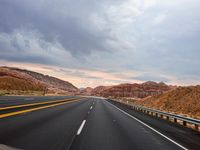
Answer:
(81, 127)
(179, 145)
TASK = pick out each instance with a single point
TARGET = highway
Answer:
(75, 123)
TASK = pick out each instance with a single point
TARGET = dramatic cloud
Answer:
(125, 41)
(56, 21)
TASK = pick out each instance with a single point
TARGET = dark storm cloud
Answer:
(28, 58)
(61, 21)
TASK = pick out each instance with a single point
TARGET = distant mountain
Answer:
(182, 100)
(25, 80)
(85, 91)
(131, 90)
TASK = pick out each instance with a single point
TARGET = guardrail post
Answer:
(184, 123)
(167, 117)
(161, 116)
(197, 127)
(156, 114)
(175, 120)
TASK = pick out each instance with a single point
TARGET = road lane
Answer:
(24, 108)
(109, 129)
(35, 108)
(33, 104)
(6, 101)
(46, 129)
(184, 136)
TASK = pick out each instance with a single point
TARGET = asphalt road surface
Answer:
(86, 124)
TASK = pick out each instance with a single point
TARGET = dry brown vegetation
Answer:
(183, 100)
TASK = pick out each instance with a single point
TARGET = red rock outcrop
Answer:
(131, 90)
(18, 79)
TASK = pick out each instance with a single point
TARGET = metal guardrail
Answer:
(168, 116)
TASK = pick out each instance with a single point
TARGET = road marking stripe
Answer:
(33, 104)
(34, 109)
(81, 127)
(179, 145)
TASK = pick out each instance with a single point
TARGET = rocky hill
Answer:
(182, 100)
(24, 80)
(131, 90)
(100, 90)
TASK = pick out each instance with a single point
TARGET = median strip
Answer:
(34, 104)
(37, 108)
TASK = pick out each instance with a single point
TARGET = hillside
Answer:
(100, 90)
(183, 100)
(24, 80)
(131, 90)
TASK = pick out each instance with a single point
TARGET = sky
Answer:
(103, 42)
